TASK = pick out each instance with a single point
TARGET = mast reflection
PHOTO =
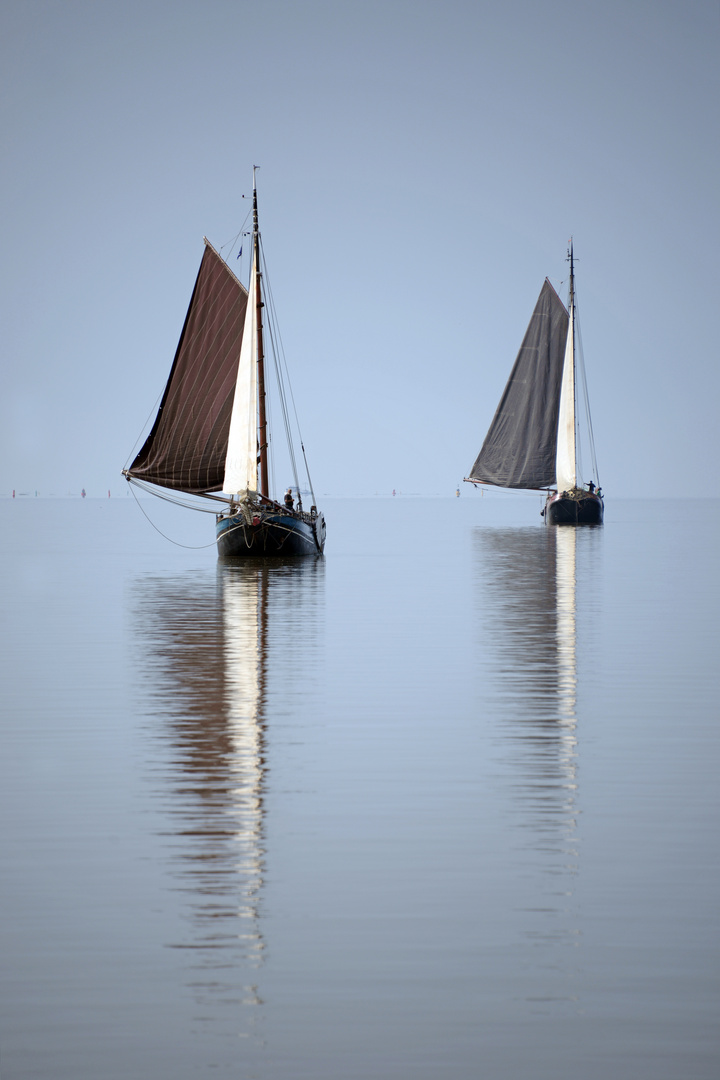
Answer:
(529, 584)
(205, 646)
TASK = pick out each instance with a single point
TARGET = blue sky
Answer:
(422, 168)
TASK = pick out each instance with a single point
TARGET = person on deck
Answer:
(289, 499)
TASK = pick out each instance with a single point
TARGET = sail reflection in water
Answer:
(565, 634)
(244, 645)
(205, 645)
(528, 581)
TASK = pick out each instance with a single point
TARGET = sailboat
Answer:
(211, 433)
(532, 442)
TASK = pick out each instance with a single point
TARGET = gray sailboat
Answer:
(532, 442)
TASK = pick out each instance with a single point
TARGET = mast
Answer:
(571, 346)
(566, 459)
(262, 418)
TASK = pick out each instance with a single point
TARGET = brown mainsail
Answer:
(186, 449)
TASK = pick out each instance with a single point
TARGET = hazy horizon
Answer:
(422, 169)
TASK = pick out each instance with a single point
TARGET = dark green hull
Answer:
(581, 508)
(266, 533)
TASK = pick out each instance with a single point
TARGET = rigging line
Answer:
(269, 427)
(507, 492)
(193, 547)
(144, 427)
(307, 470)
(273, 334)
(586, 397)
(281, 347)
(276, 342)
(231, 243)
(281, 354)
(281, 394)
(578, 384)
(270, 443)
(175, 501)
(283, 403)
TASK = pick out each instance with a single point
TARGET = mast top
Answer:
(572, 271)
(256, 229)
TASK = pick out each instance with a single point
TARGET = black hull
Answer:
(269, 534)
(583, 509)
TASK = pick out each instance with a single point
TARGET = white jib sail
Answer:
(565, 460)
(241, 458)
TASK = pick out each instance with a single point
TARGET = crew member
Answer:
(289, 499)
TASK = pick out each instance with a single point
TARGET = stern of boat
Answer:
(576, 507)
(251, 529)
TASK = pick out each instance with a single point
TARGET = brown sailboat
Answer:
(211, 433)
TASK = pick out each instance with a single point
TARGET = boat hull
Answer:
(581, 508)
(266, 534)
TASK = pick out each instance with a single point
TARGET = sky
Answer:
(422, 167)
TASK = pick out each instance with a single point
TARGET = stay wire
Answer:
(283, 378)
(586, 399)
(241, 234)
(276, 344)
(283, 399)
(281, 362)
(192, 547)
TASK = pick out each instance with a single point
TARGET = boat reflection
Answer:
(528, 580)
(205, 644)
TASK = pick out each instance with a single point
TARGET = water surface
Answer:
(441, 803)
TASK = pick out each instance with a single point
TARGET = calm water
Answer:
(441, 804)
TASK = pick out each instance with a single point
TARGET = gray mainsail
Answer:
(520, 446)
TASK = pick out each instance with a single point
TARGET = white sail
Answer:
(241, 459)
(565, 461)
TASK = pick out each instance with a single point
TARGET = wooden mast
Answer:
(262, 419)
(571, 312)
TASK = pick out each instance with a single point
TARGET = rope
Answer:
(158, 494)
(283, 377)
(282, 396)
(231, 243)
(145, 426)
(532, 493)
(193, 547)
(277, 351)
(586, 400)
